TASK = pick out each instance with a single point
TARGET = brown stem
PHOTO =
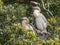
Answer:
(46, 9)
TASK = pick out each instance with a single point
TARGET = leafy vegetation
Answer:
(11, 30)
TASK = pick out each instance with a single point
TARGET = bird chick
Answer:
(41, 21)
(26, 24)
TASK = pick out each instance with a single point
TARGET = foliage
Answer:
(11, 30)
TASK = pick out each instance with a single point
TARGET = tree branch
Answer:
(35, 3)
(46, 9)
(43, 5)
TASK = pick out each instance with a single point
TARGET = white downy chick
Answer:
(41, 21)
(26, 24)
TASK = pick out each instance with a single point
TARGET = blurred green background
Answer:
(11, 31)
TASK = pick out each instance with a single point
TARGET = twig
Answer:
(35, 3)
(46, 9)
(43, 5)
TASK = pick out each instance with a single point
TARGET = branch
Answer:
(43, 7)
(35, 2)
(46, 9)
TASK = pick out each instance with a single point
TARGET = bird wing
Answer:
(44, 18)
